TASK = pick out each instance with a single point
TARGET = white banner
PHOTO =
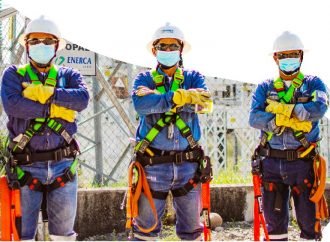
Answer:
(77, 57)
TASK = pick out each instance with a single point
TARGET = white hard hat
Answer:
(169, 31)
(287, 41)
(42, 25)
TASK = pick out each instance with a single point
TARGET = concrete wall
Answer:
(99, 212)
(99, 209)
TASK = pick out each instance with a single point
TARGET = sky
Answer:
(230, 39)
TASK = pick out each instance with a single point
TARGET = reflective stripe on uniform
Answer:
(278, 236)
(143, 237)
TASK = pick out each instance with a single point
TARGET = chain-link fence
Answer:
(107, 126)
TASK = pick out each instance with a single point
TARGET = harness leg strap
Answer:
(278, 188)
(191, 184)
(158, 194)
(44, 207)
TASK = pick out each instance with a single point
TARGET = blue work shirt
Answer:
(150, 109)
(70, 92)
(313, 111)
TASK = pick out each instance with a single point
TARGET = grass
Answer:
(4, 155)
(168, 233)
(234, 174)
(122, 183)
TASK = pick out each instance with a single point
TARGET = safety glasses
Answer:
(164, 47)
(47, 41)
(288, 55)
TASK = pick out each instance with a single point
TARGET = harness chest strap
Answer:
(51, 78)
(286, 97)
(160, 83)
(22, 139)
(169, 117)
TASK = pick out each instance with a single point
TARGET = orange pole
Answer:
(206, 201)
(258, 210)
(5, 203)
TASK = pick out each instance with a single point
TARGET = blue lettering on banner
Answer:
(79, 60)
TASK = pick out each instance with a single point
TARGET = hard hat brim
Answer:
(61, 44)
(186, 46)
(272, 53)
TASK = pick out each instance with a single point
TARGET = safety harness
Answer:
(21, 155)
(19, 148)
(307, 151)
(151, 156)
(146, 155)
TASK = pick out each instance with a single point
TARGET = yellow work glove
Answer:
(37, 92)
(143, 91)
(191, 96)
(293, 123)
(279, 108)
(62, 112)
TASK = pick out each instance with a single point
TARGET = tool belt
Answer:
(56, 155)
(289, 155)
(176, 157)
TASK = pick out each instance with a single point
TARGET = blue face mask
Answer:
(41, 53)
(289, 65)
(168, 58)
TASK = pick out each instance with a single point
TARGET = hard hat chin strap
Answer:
(290, 73)
(181, 60)
(42, 65)
(165, 67)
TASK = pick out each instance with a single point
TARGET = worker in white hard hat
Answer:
(167, 137)
(287, 110)
(41, 101)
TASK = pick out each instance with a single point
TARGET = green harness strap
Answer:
(160, 83)
(37, 124)
(286, 97)
(72, 168)
(51, 78)
(169, 117)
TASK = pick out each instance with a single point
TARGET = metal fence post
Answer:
(12, 37)
(98, 178)
(130, 79)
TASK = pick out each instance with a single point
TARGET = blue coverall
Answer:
(168, 176)
(70, 92)
(282, 171)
